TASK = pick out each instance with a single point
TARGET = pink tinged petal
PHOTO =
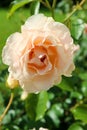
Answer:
(61, 33)
(40, 82)
(76, 48)
(64, 62)
(46, 81)
(14, 48)
(35, 22)
(11, 49)
(27, 85)
(70, 68)
(58, 29)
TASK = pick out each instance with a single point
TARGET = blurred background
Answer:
(63, 107)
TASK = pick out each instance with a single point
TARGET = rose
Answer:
(40, 54)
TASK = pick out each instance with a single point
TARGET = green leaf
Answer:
(57, 108)
(41, 105)
(1, 104)
(3, 89)
(84, 88)
(83, 76)
(80, 112)
(65, 86)
(76, 94)
(75, 126)
(36, 105)
(30, 105)
(18, 5)
(77, 27)
(55, 112)
(54, 118)
(34, 8)
(2, 66)
(7, 119)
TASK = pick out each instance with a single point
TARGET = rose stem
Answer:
(8, 106)
(53, 7)
(74, 10)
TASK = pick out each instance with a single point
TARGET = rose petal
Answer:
(36, 22)
(10, 51)
(40, 82)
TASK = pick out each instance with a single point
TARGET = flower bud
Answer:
(11, 82)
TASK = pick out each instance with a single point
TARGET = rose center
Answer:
(38, 58)
(42, 58)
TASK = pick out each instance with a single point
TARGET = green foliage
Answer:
(64, 85)
(18, 5)
(75, 126)
(34, 7)
(36, 105)
(1, 103)
(80, 112)
(83, 76)
(77, 27)
(55, 113)
(84, 88)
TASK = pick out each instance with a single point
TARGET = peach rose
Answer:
(40, 54)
